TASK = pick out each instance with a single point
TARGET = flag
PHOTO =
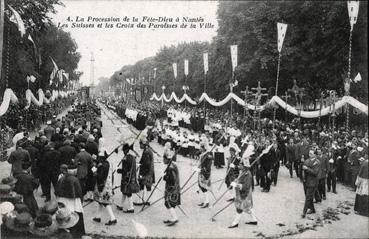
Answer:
(206, 66)
(353, 11)
(175, 70)
(357, 78)
(54, 71)
(16, 18)
(234, 56)
(66, 75)
(60, 75)
(154, 73)
(34, 45)
(282, 28)
(186, 67)
(31, 78)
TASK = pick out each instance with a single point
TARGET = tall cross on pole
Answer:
(258, 94)
(246, 93)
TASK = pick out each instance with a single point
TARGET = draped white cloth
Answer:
(31, 98)
(274, 101)
(9, 97)
(131, 114)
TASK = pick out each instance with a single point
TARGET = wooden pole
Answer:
(276, 87)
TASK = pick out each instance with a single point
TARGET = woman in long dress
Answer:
(361, 200)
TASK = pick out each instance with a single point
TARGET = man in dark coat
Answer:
(91, 146)
(310, 170)
(49, 166)
(49, 130)
(83, 161)
(267, 163)
(34, 154)
(25, 185)
(292, 161)
(147, 173)
(276, 165)
(67, 152)
(17, 158)
(129, 183)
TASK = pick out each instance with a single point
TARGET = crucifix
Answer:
(246, 93)
(285, 97)
(258, 94)
(298, 93)
(333, 98)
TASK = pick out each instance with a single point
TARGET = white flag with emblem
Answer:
(206, 63)
(234, 56)
(357, 78)
(282, 28)
(175, 70)
(186, 67)
(353, 10)
(154, 73)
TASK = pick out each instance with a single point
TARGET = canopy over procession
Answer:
(242, 120)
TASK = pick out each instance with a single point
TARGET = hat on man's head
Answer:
(65, 218)
(44, 225)
(9, 180)
(19, 222)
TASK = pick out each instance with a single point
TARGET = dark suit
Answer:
(68, 153)
(292, 159)
(84, 165)
(49, 166)
(310, 182)
(267, 162)
(17, 158)
(25, 185)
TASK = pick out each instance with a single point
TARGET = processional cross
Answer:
(258, 94)
(285, 97)
(246, 93)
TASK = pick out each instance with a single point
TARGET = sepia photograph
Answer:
(183, 119)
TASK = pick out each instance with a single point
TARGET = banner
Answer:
(282, 28)
(234, 56)
(16, 18)
(154, 73)
(54, 71)
(206, 64)
(175, 70)
(186, 67)
(353, 11)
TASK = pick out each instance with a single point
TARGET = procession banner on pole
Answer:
(353, 11)
(282, 28)
(234, 56)
(186, 67)
(154, 73)
(206, 63)
(175, 70)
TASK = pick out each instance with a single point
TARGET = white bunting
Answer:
(234, 56)
(353, 10)
(206, 63)
(175, 70)
(282, 28)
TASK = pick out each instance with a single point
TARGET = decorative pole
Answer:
(185, 86)
(162, 96)
(285, 97)
(246, 111)
(281, 28)
(206, 69)
(353, 10)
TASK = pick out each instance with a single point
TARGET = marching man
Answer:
(172, 194)
(204, 170)
(233, 167)
(243, 201)
(146, 174)
(129, 184)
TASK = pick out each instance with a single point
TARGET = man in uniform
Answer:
(204, 170)
(129, 183)
(243, 201)
(146, 175)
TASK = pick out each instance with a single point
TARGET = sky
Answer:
(116, 47)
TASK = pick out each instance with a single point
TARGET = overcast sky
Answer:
(114, 48)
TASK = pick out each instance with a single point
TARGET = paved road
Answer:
(283, 204)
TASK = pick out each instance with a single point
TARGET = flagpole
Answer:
(2, 5)
(276, 87)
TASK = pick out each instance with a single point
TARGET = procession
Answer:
(202, 119)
